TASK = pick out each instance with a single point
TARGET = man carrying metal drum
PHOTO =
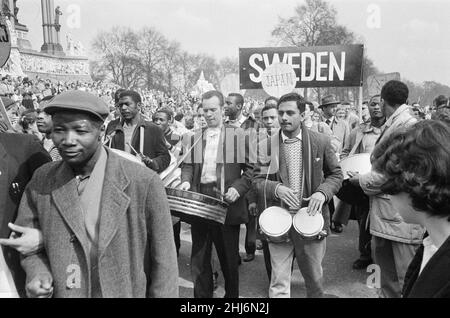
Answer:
(210, 175)
(300, 167)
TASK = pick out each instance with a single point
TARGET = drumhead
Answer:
(358, 163)
(307, 225)
(275, 221)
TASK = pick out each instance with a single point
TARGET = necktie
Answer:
(294, 158)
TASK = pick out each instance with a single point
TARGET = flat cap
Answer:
(78, 101)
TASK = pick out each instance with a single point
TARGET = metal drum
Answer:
(357, 163)
(189, 206)
(127, 155)
(7, 286)
(275, 223)
(308, 226)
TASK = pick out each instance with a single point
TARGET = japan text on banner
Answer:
(320, 66)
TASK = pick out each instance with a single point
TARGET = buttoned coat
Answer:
(135, 233)
(20, 156)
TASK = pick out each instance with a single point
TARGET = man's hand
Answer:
(253, 209)
(40, 286)
(289, 197)
(29, 242)
(232, 195)
(354, 178)
(185, 186)
(146, 160)
(316, 202)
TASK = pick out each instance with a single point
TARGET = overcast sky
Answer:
(412, 36)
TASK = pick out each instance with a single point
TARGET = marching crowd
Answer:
(80, 219)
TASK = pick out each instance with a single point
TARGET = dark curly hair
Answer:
(416, 161)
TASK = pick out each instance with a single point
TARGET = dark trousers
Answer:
(365, 238)
(250, 236)
(332, 209)
(176, 234)
(267, 262)
(226, 242)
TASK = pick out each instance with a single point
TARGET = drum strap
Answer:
(141, 140)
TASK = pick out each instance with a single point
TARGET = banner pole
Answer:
(361, 101)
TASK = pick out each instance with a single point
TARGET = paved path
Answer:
(340, 279)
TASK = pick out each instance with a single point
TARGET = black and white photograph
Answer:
(220, 154)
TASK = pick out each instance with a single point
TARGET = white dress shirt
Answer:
(210, 157)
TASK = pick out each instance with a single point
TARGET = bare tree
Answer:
(151, 49)
(118, 53)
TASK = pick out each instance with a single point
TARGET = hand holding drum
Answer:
(289, 197)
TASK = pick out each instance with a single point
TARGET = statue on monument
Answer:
(16, 12)
(70, 44)
(58, 13)
(6, 10)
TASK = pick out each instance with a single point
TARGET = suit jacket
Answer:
(434, 281)
(341, 131)
(20, 156)
(238, 172)
(135, 236)
(154, 142)
(322, 172)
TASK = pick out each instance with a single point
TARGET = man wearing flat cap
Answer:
(105, 220)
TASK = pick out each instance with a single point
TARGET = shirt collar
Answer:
(284, 137)
(397, 113)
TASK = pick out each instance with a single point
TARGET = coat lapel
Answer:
(282, 161)
(114, 203)
(435, 276)
(309, 153)
(68, 203)
(4, 191)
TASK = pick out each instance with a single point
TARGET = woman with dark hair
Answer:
(415, 163)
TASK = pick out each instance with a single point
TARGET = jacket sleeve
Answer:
(37, 156)
(351, 143)
(261, 179)
(243, 184)
(161, 158)
(371, 183)
(36, 264)
(332, 173)
(164, 265)
(346, 140)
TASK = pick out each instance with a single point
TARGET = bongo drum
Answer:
(275, 223)
(308, 226)
(357, 163)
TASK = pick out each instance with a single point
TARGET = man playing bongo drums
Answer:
(300, 166)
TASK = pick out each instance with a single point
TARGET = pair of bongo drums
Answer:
(276, 223)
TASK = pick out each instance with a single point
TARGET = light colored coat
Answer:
(385, 220)
(135, 237)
